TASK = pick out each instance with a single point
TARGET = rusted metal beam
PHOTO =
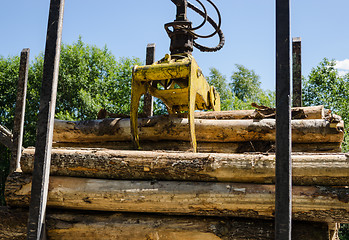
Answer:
(18, 125)
(39, 191)
(283, 195)
(148, 98)
(297, 71)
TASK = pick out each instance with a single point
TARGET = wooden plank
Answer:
(18, 126)
(93, 225)
(207, 130)
(39, 189)
(310, 203)
(308, 169)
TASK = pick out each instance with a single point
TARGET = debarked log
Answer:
(97, 225)
(313, 112)
(323, 204)
(207, 130)
(308, 169)
(206, 147)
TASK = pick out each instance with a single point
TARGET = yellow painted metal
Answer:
(178, 81)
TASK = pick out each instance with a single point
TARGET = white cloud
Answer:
(342, 65)
(343, 72)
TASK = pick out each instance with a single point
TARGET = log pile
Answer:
(101, 186)
(308, 168)
(215, 132)
(310, 203)
(86, 225)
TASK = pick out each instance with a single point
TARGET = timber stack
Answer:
(100, 186)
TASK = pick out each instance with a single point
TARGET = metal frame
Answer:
(148, 98)
(297, 72)
(18, 124)
(39, 192)
(283, 168)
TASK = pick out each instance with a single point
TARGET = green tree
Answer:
(245, 84)
(219, 81)
(246, 87)
(344, 232)
(8, 76)
(90, 79)
(243, 89)
(325, 86)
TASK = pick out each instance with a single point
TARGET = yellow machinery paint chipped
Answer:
(177, 79)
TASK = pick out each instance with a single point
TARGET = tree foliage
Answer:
(243, 89)
(245, 83)
(8, 77)
(90, 79)
(325, 86)
(344, 232)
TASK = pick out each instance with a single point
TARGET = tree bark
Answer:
(322, 204)
(87, 225)
(308, 169)
(313, 112)
(206, 147)
(207, 130)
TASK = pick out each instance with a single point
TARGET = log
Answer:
(177, 129)
(93, 225)
(308, 169)
(205, 147)
(313, 112)
(318, 203)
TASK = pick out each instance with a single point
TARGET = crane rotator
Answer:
(183, 35)
(177, 79)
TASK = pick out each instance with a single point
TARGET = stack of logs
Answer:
(226, 191)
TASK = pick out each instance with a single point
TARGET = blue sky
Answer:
(127, 26)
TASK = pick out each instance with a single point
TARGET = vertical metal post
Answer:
(283, 185)
(39, 191)
(148, 99)
(18, 125)
(297, 71)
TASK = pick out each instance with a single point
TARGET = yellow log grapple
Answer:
(177, 79)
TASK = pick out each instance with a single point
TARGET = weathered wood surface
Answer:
(13, 223)
(207, 130)
(87, 225)
(320, 203)
(313, 112)
(308, 169)
(205, 147)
